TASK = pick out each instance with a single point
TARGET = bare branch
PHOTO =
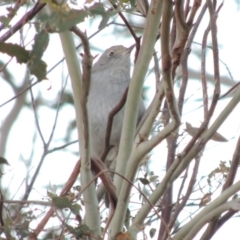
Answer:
(26, 18)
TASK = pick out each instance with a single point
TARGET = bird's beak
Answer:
(130, 48)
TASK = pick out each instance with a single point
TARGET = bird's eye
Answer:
(111, 54)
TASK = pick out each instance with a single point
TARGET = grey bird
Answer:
(109, 80)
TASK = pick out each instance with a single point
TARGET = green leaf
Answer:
(75, 208)
(132, 2)
(153, 178)
(152, 232)
(7, 225)
(36, 66)
(105, 17)
(61, 202)
(60, 21)
(64, 202)
(124, 1)
(80, 231)
(3, 161)
(41, 41)
(14, 50)
(39, 70)
(5, 21)
(97, 9)
(63, 18)
(104, 21)
(144, 181)
(51, 195)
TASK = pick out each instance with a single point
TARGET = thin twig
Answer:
(71, 180)
(215, 224)
(61, 147)
(213, 26)
(26, 18)
(43, 203)
(56, 117)
(224, 64)
(19, 94)
(11, 13)
(36, 119)
(51, 69)
(180, 194)
(205, 122)
(45, 152)
(136, 38)
(230, 90)
(191, 184)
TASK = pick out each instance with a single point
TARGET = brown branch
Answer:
(203, 72)
(173, 32)
(187, 9)
(169, 94)
(230, 90)
(100, 169)
(71, 180)
(156, 70)
(179, 14)
(196, 5)
(136, 38)
(183, 87)
(216, 224)
(181, 35)
(1, 209)
(12, 13)
(213, 16)
(86, 79)
(224, 219)
(183, 29)
(166, 61)
(84, 39)
(180, 194)
(213, 26)
(113, 112)
(191, 184)
(26, 18)
(184, 59)
(204, 125)
(156, 212)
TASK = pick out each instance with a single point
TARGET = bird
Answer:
(110, 77)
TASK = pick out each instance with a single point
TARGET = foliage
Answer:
(175, 199)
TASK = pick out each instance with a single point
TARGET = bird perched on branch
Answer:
(109, 80)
